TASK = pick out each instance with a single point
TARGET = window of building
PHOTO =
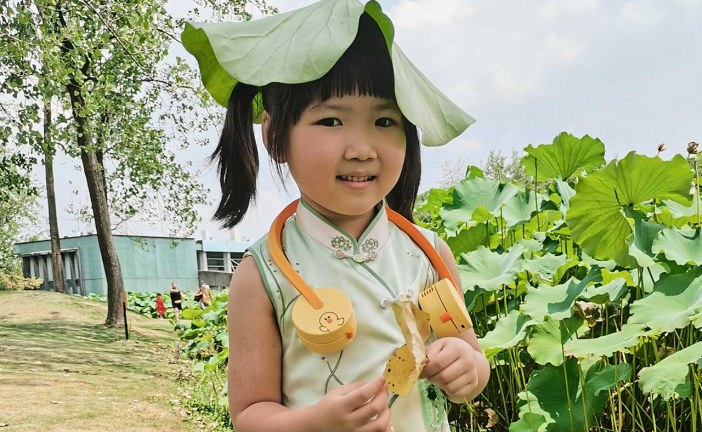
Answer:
(235, 259)
(215, 261)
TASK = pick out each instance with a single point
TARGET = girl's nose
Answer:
(360, 146)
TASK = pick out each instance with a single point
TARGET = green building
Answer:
(148, 263)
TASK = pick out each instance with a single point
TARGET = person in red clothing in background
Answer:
(160, 306)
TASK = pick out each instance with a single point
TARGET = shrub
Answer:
(16, 282)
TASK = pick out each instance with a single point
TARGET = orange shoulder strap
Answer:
(276, 250)
(423, 244)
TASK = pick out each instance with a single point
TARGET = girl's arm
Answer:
(457, 364)
(254, 375)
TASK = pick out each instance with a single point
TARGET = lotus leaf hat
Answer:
(302, 46)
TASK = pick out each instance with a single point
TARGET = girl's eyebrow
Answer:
(326, 105)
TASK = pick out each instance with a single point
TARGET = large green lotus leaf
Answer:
(607, 292)
(468, 240)
(509, 331)
(556, 301)
(567, 155)
(546, 340)
(477, 200)
(490, 270)
(439, 119)
(532, 418)
(681, 246)
(596, 218)
(645, 232)
(301, 46)
(668, 378)
(675, 302)
(262, 51)
(559, 391)
(545, 266)
(605, 346)
(521, 206)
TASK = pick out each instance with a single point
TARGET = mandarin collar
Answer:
(338, 241)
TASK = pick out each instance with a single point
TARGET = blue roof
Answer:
(222, 246)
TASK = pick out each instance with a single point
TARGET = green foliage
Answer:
(204, 339)
(585, 295)
(205, 333)
(14, 281)
(17, 213)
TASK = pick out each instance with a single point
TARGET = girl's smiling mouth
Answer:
(356, 178)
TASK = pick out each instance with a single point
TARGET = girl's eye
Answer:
(385, 122)
(330, 122)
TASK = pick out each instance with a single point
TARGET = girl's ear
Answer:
(265, 126)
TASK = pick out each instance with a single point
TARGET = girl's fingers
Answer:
(379, 424)
(374, 408)
(367, 391)
(346, 389)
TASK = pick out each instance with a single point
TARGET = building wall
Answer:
(148, 263)
(153, 263)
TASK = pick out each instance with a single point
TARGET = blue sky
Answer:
(628, 72)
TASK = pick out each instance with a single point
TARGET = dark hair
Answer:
(364, 69)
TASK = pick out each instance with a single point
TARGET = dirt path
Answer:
(62, 370)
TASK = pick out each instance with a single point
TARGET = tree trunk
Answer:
(110, 260)
(101, 213)
(56, 261)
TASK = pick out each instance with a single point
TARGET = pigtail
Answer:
(237, 157)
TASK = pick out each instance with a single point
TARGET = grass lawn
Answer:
(61, 369)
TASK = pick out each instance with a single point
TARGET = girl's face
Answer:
(346, 154)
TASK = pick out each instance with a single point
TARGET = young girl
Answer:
(160, 306)
(349, 145)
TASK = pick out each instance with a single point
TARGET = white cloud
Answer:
(641, 13)
(422, 14)
(559, 9)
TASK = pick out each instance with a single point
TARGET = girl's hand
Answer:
(357, 407)
(452, 365)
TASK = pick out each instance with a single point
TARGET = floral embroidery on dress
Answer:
(369, 245)
(341, 243)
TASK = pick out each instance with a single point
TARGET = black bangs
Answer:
(364, 69)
